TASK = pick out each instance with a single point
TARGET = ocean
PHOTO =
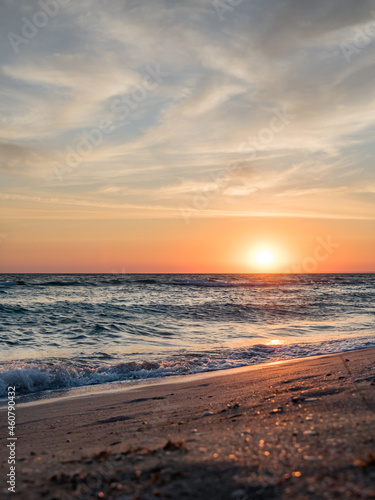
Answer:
(74, 330)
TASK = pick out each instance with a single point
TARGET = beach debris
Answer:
(277, 410)
(365, 462)
(193, 431)
(298, 399)
(233, 406)
(310, 400)
(207, 414)
(178, 446)
(310, 432)
(296, 473)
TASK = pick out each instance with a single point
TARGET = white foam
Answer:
(31, 377)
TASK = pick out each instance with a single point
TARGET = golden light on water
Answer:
(275, 342)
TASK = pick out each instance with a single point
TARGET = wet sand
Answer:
(303, 429)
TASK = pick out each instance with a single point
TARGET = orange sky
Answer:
(118, 118)
(221, 245)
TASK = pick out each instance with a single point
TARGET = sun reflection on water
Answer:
(275, 342)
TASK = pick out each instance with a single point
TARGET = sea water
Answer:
(64, 331)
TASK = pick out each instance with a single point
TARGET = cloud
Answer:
(225, 81)
(292, 24)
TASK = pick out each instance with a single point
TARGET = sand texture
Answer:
(301, 429)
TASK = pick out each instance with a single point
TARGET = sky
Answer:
(187, 136)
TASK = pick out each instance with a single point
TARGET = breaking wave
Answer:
(37, 376)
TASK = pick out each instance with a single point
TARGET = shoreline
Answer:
(50, 397)
(300, 428)
(79, 391)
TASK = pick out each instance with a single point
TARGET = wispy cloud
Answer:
(225, 79)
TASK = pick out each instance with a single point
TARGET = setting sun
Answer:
(264, 257)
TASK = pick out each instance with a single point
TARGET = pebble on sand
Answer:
(310, 433)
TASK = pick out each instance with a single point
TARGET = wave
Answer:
(38, 376)
(114, 282)
(12, 308)
(82, 283)
(218, 284)
(202, 281)
(8, 283)
(64, 283)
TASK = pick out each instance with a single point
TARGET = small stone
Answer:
(89, 461)
(193, 431)
(118, 457)
(297, 399)
(277, 410)
(207, 414)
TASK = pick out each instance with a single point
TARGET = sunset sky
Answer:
(187, 136)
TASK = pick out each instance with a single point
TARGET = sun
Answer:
(264, 257)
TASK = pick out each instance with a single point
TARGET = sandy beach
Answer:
(301, 429)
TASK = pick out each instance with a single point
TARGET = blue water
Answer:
(61, 331)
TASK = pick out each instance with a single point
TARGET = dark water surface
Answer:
(61, 331)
